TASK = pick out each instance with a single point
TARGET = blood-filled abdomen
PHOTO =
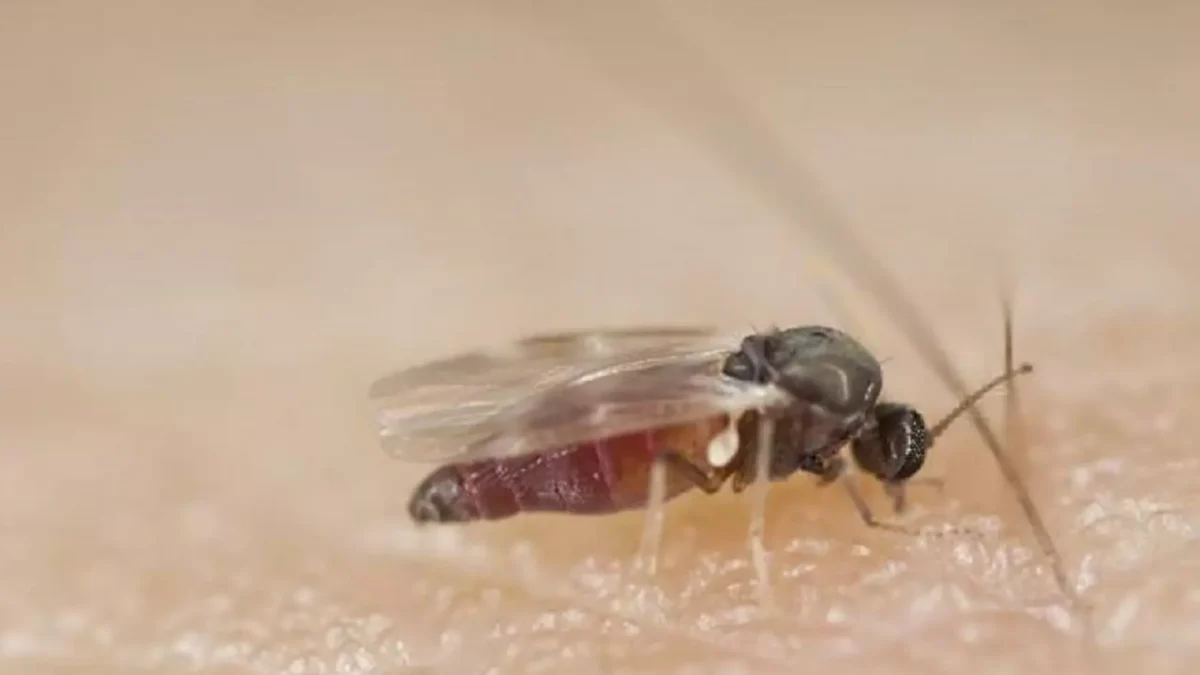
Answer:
(595, 477)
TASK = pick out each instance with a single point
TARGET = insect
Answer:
(672, 75)
(574, 423)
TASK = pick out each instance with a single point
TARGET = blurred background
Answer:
(220, 222)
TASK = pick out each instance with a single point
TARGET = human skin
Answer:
(222, 224)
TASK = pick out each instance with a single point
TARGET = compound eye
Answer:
(897, 449)
(907, 439)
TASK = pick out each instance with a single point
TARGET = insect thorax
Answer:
(802, 435)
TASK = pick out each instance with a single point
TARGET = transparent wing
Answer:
(553, 390)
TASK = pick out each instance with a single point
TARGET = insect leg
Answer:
(647, 560)
(834, 469)
(760, 468)
(899, 491)
(899, 496)
(749, 470)
(708, 480)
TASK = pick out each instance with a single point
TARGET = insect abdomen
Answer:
(596, 477)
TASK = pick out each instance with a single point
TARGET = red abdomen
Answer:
(596, 477)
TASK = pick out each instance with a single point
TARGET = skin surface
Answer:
(221, 223)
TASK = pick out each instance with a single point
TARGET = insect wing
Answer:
(450, 397)
(555, 390)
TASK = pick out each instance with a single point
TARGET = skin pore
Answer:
(226, 224)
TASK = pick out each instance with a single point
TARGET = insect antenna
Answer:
(1005, 378)
(674, 75)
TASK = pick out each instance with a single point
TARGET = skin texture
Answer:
(221, 224)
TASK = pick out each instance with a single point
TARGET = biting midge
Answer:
(830, 386)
